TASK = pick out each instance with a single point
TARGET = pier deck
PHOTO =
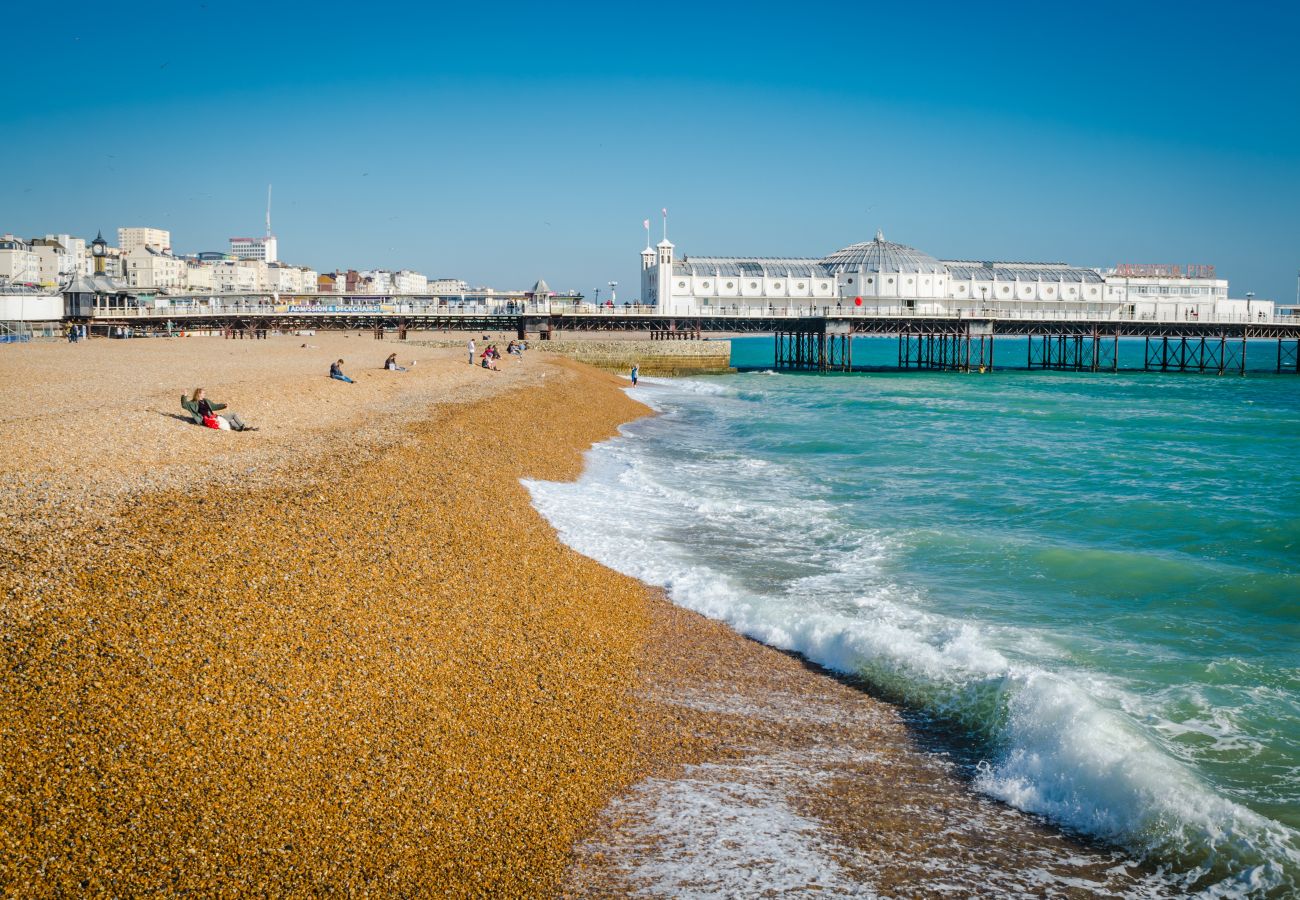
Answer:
(812, 340)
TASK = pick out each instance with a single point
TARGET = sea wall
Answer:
(666, 358)
(662, 358)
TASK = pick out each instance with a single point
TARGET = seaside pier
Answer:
(818, 339)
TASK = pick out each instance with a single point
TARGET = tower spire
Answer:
(665, 212)
(268, 210)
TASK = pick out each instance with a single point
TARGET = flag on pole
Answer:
(646, 224)
(665, 211)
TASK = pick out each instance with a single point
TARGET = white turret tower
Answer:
(664, 276)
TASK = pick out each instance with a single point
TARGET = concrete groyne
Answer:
(665, 358)
(661, 358)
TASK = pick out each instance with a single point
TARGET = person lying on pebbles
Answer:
(204, 412)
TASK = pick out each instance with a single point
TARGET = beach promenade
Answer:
(343, 654)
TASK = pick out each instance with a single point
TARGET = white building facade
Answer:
(408, 282)
(235, 277)
(377, 281)
(290, 279)
(19, 264)
(149, 267)
(198, 276)
(129, 239)
(1166, 293)
(447, 286)
(264, 249)
(884, 278)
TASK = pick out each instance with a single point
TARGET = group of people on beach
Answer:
(76, 333)
(490, 354)
(488, 358)
(204, 412)
(390, 365)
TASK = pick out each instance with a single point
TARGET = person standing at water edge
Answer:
(636, 370)
(471, 351)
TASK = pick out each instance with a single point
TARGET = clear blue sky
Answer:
(502, 143)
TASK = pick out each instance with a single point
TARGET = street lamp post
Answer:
(1250, 295)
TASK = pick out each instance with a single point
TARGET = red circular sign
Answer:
(857, 301)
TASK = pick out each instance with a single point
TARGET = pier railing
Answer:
(588, 311)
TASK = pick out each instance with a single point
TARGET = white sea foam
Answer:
(725, 831)
(1063, 743)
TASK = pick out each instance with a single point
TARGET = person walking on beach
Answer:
(204, 412)
(636, 370)
(471, 351)
(336, 372)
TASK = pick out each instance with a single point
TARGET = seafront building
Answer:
(18, 264)
(129, 239)
(408, 282)
(148, 266)
(887, 278)
(264, 249)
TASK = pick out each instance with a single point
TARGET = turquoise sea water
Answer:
(1092, 579)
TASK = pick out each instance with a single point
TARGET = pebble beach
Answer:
(343, 654)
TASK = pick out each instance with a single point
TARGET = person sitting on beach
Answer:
(336, 372)
(391, 364)
(487, 361)
(204, 412)
(512, 349)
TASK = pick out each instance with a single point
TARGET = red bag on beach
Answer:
(211, 422)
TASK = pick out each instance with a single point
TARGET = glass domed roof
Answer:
(881, 255)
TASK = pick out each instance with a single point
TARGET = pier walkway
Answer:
(809, 339)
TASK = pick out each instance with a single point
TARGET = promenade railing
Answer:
(641, 311)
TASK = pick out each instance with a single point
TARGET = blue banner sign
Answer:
(335, 309)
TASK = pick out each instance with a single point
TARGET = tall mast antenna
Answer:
(268, 210)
